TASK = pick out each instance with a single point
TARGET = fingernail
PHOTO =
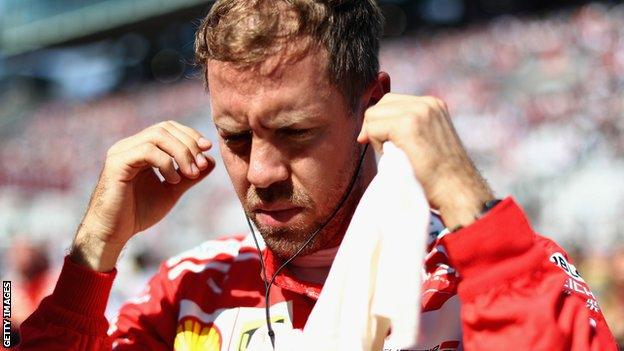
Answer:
(194, 169)
(203, 142)
(201, 161)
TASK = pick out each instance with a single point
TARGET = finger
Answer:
(363, 136)
(377, 132)
(369, 115)
(189, 141)
(121, 145)
(182, 155)
(162, 138)
(376, 127)
(177, 191)
(202, 142)
(366, 138)
(377, 145)
(392, 97)
(137, 139)
(148, 155)
(145, 135)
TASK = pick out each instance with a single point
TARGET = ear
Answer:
(377, 89)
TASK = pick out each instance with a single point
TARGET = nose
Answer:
(266, 164)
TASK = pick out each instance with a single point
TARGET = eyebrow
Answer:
(227, 131)
(283, 120)
(288, 119)
(228, 124)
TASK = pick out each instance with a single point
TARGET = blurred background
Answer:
(535, 88)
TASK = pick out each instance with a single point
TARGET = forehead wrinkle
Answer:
(264, 106)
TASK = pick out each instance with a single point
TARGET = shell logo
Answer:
(194, 335)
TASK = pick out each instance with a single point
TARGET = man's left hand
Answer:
(422, 128)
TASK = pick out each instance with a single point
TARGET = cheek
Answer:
(310, 173)
(236, 169)
(324, 174)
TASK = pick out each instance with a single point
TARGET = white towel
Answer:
(375, 279)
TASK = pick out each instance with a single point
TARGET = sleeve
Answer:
(72, 318)
(518, 290)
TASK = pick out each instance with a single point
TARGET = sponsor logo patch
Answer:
(194, 335)
(559, 260)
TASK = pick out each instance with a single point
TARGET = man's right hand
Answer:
(130, 198)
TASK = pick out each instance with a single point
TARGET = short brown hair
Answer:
(246, 32)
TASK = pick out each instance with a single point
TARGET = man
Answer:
(296, 93)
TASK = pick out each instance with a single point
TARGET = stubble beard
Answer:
(286, 241)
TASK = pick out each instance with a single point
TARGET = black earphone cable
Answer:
(267, 283)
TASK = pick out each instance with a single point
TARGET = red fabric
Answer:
(517, 291)
(286, 280)
(514, 296)
(27, 294)
(72, 318)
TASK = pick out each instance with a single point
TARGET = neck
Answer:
(319, 259)
(339, 229)
(315, 267)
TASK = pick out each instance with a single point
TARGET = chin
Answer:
(285, 249)
(286, 241)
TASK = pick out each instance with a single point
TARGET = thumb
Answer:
(363, 136)
(185, 184)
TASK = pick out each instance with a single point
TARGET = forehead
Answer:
(279, 81)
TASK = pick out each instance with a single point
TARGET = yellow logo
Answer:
(193, 335)
(250, 328)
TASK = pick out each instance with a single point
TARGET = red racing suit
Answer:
(494, 285)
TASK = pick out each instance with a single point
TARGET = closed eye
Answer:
(236, 139)
(296, 133)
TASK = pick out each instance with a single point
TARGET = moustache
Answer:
(278, 192)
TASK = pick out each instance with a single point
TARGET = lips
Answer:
(276, 216)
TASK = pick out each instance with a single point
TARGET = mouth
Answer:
(276, 217)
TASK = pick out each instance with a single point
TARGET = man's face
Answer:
(288, 141)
